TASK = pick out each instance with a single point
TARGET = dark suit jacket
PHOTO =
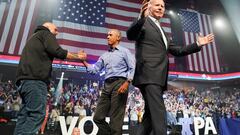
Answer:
(151, 53)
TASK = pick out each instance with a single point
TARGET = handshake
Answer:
(82, 55)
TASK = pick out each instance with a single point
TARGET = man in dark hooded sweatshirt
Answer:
(33, 75)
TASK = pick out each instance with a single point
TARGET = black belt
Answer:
(113, 79)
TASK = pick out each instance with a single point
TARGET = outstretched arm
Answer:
(193, 48)
(83, 56)
(93, 69)
(72, 56)
(201, 41)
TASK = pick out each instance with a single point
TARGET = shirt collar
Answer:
(113, 49)
(153, 19)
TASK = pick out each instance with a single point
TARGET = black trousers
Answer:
(154, 118)
(113, 104)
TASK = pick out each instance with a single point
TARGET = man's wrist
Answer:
(129, 80)
(198, 44)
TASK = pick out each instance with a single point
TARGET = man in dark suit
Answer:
(152, 47)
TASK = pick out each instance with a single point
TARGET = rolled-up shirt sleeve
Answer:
(97, 67)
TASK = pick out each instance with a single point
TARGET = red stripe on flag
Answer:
(203, 61)
(90, 32)
(192, 58)
(206, 60)
(207, 51)
(5, 14)
(163, 24)
(115, 26)
(82, 44)
(119, 7)
(82, 33)
(186, 58)
(87, 33)
(134, 1)
(212, 49)
(13, 25)
(34, 18)
(197, 56)
(22, 27)
(119, 17)
(207, 47)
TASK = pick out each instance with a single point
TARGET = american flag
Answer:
(194, 23)
(16, 24)
(84, 24)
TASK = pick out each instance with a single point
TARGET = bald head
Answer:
(52, 27)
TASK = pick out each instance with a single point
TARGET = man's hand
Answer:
(123, 88)
(82, 55)
(144, 10)
(205, 40)
(72, 55)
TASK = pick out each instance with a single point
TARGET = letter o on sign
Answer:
(81, 126)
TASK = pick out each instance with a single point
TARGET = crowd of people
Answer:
(10, 100)
(190, 102)
(180, 102)
(76, 100)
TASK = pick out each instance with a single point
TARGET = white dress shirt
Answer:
(158, 24)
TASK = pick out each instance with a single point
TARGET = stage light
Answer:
(171, 12)
(219, 23)
(59, 89)
(232, 8)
